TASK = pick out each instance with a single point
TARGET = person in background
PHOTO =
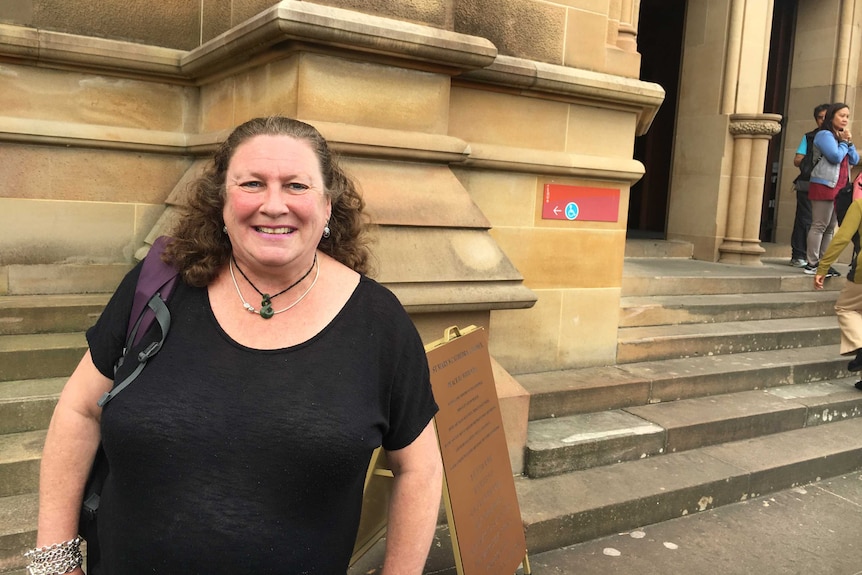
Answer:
(834, 154)
(805, 162)
(848, 306)
(243, 446)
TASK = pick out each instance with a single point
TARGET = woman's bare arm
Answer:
(70, 447)
(415, 503)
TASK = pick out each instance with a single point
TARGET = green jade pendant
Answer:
(266, 307)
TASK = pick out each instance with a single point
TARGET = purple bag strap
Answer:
(157, 277)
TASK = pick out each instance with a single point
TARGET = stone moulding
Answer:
(67, 134)
(56, 49)
(345, 139)
(528, 160)
(348, 140)
(336, 27)
(302, 26)
(287, 21)
(574, 84)
(459, 297)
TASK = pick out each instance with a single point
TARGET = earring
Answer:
(326, 232)
(224, 229)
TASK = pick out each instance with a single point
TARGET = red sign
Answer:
(580, 203)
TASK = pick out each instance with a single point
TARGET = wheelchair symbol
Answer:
(572, 210)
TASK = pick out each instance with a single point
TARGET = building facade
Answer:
(472, 127)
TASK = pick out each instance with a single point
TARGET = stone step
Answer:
(649, 248)
(670, 310)
(28, 405)
(636, 344)
(575, 391)
(72, 278)
(564, 444)
(26, 314)
(574, 507)
(678, 276)
(20, 454)
(35, 356)
(17, 530)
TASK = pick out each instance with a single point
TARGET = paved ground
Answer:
(812, 529)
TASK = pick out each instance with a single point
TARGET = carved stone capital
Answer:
(755, 125)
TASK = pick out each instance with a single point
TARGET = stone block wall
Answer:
(451, 120)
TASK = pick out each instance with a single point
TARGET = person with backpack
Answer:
(834, 154)
(243, 445)
(804, 160)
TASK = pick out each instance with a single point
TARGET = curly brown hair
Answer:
(200, 247)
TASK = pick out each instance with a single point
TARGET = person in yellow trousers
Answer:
(848, 306)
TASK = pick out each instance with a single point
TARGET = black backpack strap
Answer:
(163, 317)
(155, 285)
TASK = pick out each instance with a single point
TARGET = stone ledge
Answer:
(339, 28)
(66, 134)
(57, 48)
(346, 139)
(439, 297)
(603, 90)
(532, 161)
(291, 26)
(449, 52)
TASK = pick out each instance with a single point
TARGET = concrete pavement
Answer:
(809, 529)
(815, 528)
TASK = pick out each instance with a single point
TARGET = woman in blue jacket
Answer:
(834, 153)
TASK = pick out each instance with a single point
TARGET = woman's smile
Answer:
(275, 231)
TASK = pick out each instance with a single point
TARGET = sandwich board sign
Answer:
(478, 487)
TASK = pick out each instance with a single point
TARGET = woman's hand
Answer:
(846, 136)
(818, 281)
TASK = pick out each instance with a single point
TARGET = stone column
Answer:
(751, 134)
(623, 15)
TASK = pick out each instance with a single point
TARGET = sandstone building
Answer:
(465, 121)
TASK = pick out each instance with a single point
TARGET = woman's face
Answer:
(841, 119)
(275, 206)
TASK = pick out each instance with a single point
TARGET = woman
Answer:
(243, 445)
(848, 306)
(834, 153)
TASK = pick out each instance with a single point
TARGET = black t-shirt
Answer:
(226, 459)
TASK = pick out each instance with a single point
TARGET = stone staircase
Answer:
(728, 386)
(41, 342)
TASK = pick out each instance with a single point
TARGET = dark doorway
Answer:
(660, 33)
(775, 102)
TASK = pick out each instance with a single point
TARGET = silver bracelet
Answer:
(55, 559)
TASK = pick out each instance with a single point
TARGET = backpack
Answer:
(154, 287)
(851, 191)
(806, 166)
